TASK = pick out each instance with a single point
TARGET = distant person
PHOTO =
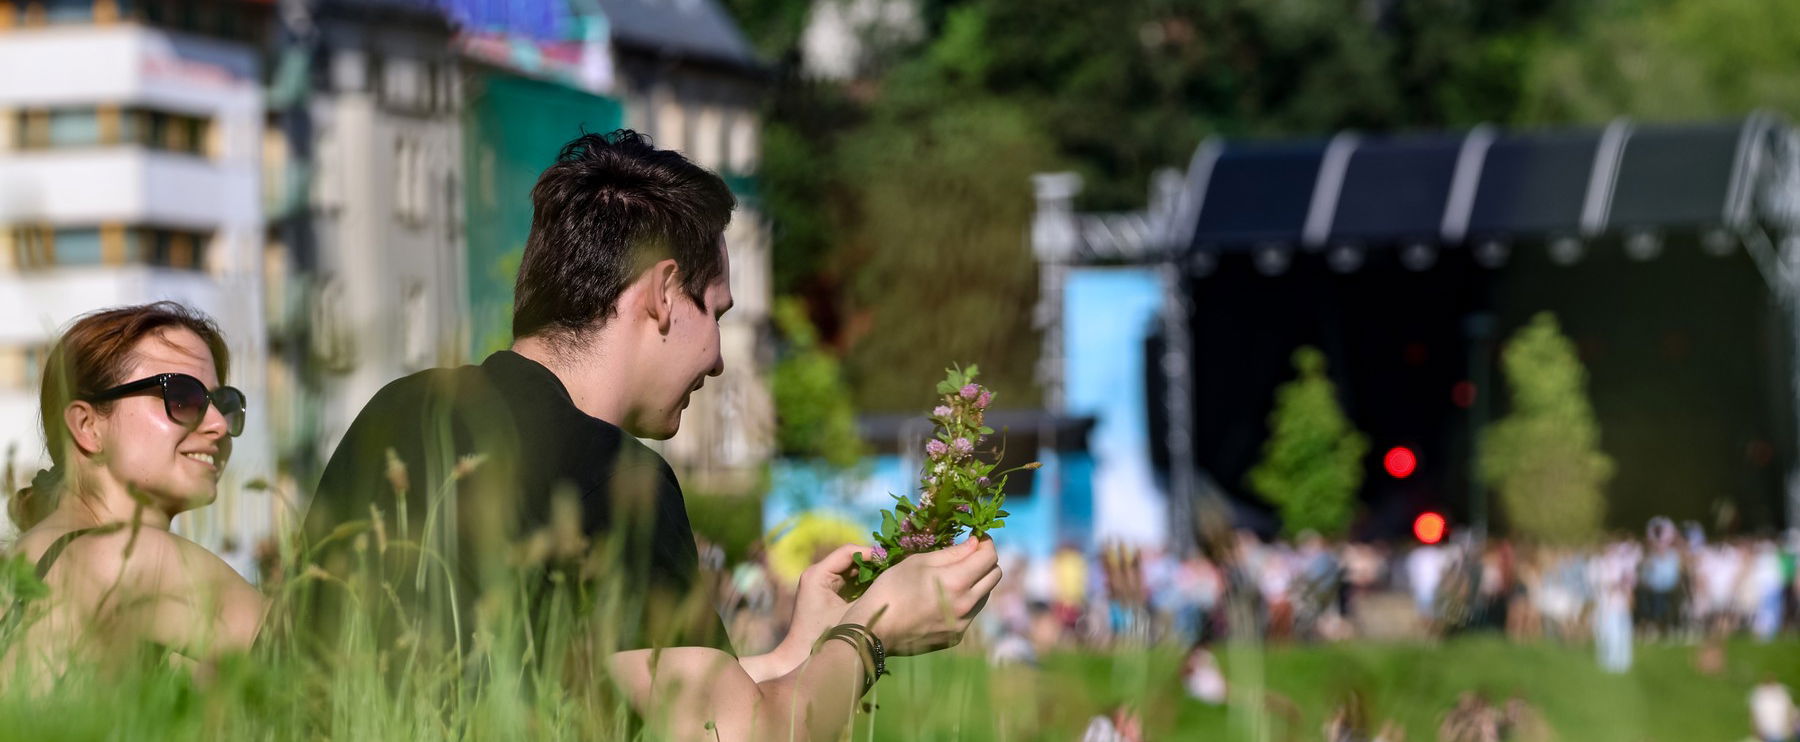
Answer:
(1069, 585)
(1121, 724)
(1424, 569)
(1718, 568)
(138, 425)
(1765, 590)
(1201, 676)
(1613, 571)
(1661, 579)
(1349, 722)
(1472, 719)
(1522, 722)
(1772, 713)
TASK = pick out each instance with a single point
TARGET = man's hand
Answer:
(926, 602)
(922, 604)
(818, 606)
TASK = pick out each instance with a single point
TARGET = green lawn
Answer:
(947, 696)
(953, 697)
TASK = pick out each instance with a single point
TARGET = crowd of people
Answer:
(1675, 583)
(1672, 583)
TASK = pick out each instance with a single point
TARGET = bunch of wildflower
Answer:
(959, 492)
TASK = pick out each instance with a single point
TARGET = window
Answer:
(68, 11)
(275, 171)
(21, 366)
(709, 138)
(36, 247)
(417, 339)
(31, 247)
(327, 190)
(167, 131)
(411, 181)
(743, 151)
(166, 248)
(671, 126)
(349, 71)
(402, 83)
(74, 128)
(77, 246)
(107, 126)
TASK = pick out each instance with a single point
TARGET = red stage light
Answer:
(1429, 528)
(1400, 462)
(1463, 394)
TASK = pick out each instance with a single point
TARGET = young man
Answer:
(616, 325)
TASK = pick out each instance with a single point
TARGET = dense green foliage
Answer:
(1312, 463)
(901, 199)
(1544, 457)
(814, 417)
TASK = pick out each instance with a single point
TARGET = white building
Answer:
(689, 79)
(380, 258)
(845, 39)
(129, 172)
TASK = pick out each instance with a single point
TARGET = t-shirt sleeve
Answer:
(655, 550)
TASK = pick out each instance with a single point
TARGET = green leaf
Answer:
(21, 580)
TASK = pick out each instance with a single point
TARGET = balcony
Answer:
(125, 184)
(34, 307)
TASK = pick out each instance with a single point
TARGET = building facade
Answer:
(343, 184)
(129, 172)
(689, 78)
(366, 246)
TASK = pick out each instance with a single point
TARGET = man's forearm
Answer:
(816, 700)
(679, 691)
(777, 662)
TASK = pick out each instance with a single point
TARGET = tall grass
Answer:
(376, 634)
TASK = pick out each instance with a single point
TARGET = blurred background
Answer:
(1257, 280)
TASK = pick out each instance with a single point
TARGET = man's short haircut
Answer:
(610, 207)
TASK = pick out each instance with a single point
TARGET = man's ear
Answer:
(663, 281)
(83, 422)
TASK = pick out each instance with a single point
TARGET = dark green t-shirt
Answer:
(525, 484)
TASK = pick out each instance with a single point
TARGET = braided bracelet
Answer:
(868, 648)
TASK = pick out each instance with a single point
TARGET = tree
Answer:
(900, 202)
(1668, 60)
(814, 415)
(1312, 463)
(937, 265)
(1544, 457)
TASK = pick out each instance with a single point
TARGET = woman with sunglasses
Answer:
(138, 427)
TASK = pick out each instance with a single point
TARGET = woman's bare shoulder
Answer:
(137, 559)
(208, 564)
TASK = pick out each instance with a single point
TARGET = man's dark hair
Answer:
(610, 207)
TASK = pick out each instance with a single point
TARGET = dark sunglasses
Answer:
(184, 399)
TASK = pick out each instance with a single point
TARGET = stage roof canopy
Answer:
(1483, 184)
